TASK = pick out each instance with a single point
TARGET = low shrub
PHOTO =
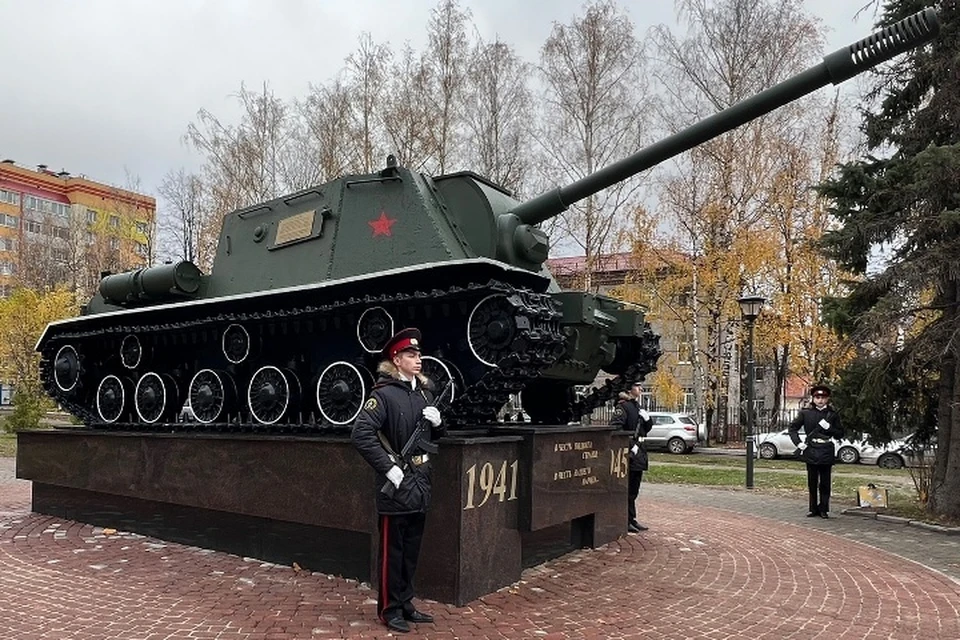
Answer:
(27, 412)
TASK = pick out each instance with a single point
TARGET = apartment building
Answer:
(57, 228)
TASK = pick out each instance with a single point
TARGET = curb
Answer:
(874, 515)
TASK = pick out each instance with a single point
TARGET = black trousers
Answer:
(400, 537)
(818, 486)
(633, 490)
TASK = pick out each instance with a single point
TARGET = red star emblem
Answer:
(381, 226)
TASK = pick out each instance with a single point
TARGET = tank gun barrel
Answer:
(837, 67)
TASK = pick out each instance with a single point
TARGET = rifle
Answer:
(415, 441)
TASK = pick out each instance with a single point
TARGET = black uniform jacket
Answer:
(393, 410)
(820, 445)
(627, 417)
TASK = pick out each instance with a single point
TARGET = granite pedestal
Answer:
(503, 498)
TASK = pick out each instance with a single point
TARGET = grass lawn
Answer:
(786, 477)
(8, 444)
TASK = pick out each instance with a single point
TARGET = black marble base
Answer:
(339, 552)
(504, 499)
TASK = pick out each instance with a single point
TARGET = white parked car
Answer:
(899, 453)
(894, 455)
(675, 432)
(778, 445)
(885, 456)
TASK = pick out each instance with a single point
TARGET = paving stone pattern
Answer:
(715, 564)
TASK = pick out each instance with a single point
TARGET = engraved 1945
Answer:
(619, 462)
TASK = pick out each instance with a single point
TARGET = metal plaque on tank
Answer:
(295, 227)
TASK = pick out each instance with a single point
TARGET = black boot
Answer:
(397, 623)
(417, 616)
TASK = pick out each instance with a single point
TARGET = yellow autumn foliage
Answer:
(23, 317)
(666, 389)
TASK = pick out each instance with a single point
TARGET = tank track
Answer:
(537, 343)
(647, 352)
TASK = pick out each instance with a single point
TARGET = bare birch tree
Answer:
(408, 120)
(324, 141)
(447, 57)
(138, 229)
(187, 222)
(498, 113)
(243, 164)
(593, 115)
(732, 50)
(366, 76)
(76, 264)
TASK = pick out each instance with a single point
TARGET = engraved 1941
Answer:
(494, 479)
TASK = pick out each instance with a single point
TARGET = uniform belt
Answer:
(419, 460)
(820, 440)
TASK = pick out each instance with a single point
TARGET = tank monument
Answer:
(274, 353)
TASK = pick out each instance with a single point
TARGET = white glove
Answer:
(395, 475)
(644, 415)
(635, 449)
(802, 446)
(825, 425)
(432, 414)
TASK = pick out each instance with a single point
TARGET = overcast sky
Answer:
(107, 87)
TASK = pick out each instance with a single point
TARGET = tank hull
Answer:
(303, 358)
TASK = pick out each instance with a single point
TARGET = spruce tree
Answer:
(903, 199)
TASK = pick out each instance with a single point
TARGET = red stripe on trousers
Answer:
(384, 539)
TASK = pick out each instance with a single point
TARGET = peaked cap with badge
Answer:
(820, 388)
(403, 340)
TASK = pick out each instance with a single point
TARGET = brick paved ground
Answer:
(715, 564)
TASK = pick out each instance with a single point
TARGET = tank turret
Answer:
(285, 331)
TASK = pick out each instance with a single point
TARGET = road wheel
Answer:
(890, 461)
(848, 455)
(676, 445)
(154, 397)
(271, 394)
(768, 451)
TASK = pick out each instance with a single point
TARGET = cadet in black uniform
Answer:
(630, 417)
(821, 422)
(400, 399)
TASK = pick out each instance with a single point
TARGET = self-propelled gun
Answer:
(285, 331)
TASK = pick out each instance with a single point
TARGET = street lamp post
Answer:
(750, 307)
